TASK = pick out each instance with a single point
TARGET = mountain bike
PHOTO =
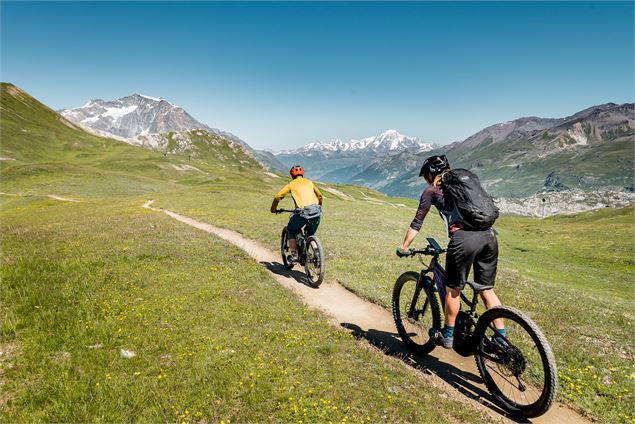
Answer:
(310, 253)
(518, 369)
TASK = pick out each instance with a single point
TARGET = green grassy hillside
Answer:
(82, 280)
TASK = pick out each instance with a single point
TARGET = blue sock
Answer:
(501, 331)
(448, 331)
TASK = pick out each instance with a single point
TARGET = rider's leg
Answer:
(491, 300)
(445, 336)
(485, 265)
(452, 306)
(293, 228)
(312, 226)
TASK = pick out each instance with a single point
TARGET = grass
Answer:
(80, 281)
(214, 337)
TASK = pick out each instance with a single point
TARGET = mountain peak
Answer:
(156, 99)
(133, 115)
(391, 132)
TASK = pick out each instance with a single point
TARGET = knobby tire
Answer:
(546, 395)
(414, 330)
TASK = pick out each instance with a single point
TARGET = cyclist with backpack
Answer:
(469, 213)
(308, 207)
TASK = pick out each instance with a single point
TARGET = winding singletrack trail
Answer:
(456, 375)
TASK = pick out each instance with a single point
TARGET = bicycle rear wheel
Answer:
(415, 309)
(314, 265)
(284, 249)
(519, 370)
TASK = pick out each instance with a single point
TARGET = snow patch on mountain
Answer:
(388, 141)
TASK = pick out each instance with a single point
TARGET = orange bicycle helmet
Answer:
(296, 170)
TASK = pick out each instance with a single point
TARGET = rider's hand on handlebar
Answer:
(402, 253)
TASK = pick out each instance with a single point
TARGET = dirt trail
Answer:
(455, 374)
(61, 199)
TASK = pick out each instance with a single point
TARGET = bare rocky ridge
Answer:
(547, 204)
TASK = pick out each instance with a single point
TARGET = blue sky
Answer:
(281, 75)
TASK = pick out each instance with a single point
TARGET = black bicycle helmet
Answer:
(434, 165)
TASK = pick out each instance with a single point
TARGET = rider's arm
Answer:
(424, 206)
(279, 196)
(317, 192)
(410, 236)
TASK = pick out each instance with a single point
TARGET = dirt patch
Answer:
(186, 168)
(61, 199)
(338, 193)
(8, 352)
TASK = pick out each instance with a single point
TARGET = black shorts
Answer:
(467, 248)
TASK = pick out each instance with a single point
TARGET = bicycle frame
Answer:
(438, 277)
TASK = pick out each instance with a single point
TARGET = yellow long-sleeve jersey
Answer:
(303, 192)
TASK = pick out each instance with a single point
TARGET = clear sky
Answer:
(281, 75)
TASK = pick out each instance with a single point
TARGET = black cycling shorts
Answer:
(467, 249)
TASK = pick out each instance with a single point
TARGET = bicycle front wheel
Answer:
(314, 265)
(415, 309)
(519, 370)
(284, 248)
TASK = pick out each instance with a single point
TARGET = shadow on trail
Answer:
(463, 381)
(280, 269)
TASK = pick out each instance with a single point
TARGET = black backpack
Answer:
(476, 207)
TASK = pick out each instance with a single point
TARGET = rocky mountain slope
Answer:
(337, 161)
(132, 116)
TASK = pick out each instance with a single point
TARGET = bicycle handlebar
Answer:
(428, 251)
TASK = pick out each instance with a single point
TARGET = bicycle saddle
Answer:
(478, 287)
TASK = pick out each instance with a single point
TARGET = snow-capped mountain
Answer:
(132, 116)
(337, 161)
(138, 118)
(388, 141)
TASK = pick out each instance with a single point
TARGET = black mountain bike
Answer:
(310, 254)
(518, 369)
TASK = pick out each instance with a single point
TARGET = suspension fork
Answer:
(412, 311)
(437, 277)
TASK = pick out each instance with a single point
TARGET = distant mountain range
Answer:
(336, 160)
(145, 120)
(590, 150)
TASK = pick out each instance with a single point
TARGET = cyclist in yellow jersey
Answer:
(308, 203)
